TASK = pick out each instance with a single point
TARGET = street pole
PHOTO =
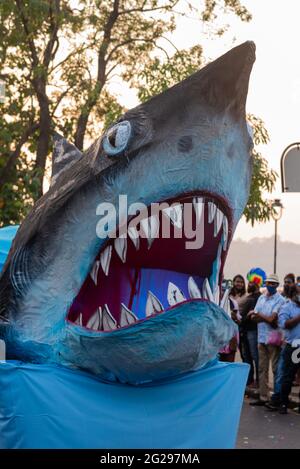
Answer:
(276, 214)
(275, 248)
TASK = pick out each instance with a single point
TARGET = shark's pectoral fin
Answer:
(63, 156)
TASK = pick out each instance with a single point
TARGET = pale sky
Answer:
(274, 93)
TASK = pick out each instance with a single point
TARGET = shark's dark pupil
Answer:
(112, 138)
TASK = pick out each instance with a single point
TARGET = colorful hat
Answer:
(257, 276)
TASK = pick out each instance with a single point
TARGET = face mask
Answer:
(271, 289)
(298, 298)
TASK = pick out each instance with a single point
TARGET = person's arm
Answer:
(254, 314)
(291, 323)
(247, 306)
(285, 321)
(260, 317)
(272, 320)
(234, 316)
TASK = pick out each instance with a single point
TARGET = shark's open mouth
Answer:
(136, 277)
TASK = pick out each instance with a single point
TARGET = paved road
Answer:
(260, 428)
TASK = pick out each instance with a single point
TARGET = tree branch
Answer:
(170, 42)
(14, 155)
(136, 40)
(62, 62)
(93, 96)
(54, 26)
(58, 101)
(106, 39)
(146, 10)
(30, 41)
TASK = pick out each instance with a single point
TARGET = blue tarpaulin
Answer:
(44, 406)
(7, 234)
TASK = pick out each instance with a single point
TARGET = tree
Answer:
(28, 46)
(213, 8)
(263, 178)
(59, 62)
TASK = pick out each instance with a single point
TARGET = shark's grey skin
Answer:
(191, 138)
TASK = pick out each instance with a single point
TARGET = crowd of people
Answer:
(268, 320)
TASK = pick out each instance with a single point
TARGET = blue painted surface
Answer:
(44, 406)
(7, 234)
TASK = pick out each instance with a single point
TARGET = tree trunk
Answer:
(44, 137)
(94, 96)
(81, 129)
(84, 117)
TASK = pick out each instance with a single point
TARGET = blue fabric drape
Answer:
(7, 234)
(44, 406)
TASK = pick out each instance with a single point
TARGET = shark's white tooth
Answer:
(207, 291)
(175, 214)
(193, 288)
(94, 272)
(217, 295)
(218, 221)
(153, 305)
(150, 227)
(211, 211)
(225, 233)
(226, 305)
(105, 259)
(224, 298)
(174, 295)
(108, 321)
(95, 321)
(198, 204)
(153, 229)
(134, 236)
(121, 248)
(127, 317)
(214, 278)
(79, 320)
(145, 227)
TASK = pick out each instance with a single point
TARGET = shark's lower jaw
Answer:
(135, 278)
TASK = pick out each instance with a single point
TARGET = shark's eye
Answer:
(116, 138)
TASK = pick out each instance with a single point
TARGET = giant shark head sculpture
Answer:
(135, 308)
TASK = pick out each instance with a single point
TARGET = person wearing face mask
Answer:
(274, 404)
(256, 278)
(238, 294)
(289, 320)
(288, 283)
(265, 314)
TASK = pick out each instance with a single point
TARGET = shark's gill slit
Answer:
(133, 281)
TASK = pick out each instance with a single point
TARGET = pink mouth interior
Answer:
(148, 269)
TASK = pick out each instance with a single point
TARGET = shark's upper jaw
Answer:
(134, 278)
